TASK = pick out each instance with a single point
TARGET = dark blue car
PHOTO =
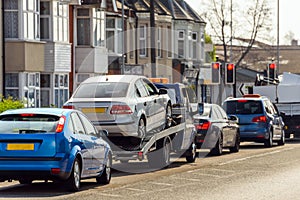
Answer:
(259, 120)
(52, 144)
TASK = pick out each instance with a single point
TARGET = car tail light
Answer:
(242, 100)
(69, 106)
(55, 170)
(61, 124)
(203, 126)
(260, 119)
(27, 115)
(120, 109)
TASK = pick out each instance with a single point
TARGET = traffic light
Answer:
(272, 70)
(215, 72)
(230, 73)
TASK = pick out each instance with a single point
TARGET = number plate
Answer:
(20, 147)
(93, 110)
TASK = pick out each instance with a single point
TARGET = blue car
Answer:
(52, 144)
(258, 119)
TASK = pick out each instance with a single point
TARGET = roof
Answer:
(53, 111)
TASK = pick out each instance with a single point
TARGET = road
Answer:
(254, 173)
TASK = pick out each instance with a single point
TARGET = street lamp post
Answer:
(278, 63)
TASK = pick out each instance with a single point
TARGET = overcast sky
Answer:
(289, 15)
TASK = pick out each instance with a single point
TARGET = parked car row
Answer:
(69, 144)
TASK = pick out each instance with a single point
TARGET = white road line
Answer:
(110, 195)
(136, 189)
(255, 156)
(157, 183)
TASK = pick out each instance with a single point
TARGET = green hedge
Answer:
(9, 103)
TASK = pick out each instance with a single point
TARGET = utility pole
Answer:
(152, 33)
(123, 39)
(278, 63)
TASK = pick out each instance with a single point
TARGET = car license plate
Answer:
(93, 110)
(18, 146)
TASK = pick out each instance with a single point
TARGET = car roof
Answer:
(113, 78)
(253, 97)
(51, 111)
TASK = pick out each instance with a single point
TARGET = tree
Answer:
(242, 24)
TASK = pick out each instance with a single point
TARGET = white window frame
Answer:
(194, 44)
(181, 39)
(89, 19)
(14, 84)
(31, 19)
(32, 84)
(98, 27)
(60, 89)
(169, 43)
(60, 22)
(47, 16)
(143, 39)
(118, 36)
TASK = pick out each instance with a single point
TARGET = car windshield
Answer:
(102, 90)
(243, 106)
(28, 123)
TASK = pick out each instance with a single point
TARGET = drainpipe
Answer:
(3, 51)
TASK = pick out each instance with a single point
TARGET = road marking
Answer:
(110, 195)
(135, 189)
(157, 183)
(255, 156)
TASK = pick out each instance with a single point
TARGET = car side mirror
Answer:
(102, 133)
(282, 114)
(233, 118)
(163, 91)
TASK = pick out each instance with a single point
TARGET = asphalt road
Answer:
(254, 173)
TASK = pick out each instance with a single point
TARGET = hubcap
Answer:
(76, 174)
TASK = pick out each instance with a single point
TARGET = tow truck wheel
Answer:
(192, 153)
(160, 158)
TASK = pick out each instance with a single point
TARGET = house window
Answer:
(169, 39)
(45, 20)
(61, 89)
(159, 39)
(114, 35)
(83, 26)
(131, 44)
(143, 40)
(32, 90)
(12, 85)
(60, 22)
(11, 19)
(31, 19)
(180, 51)
(99, 25)
(194, 44)
(45, 90)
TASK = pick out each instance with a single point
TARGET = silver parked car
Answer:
(125, 105)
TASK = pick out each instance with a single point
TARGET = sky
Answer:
(289, 16)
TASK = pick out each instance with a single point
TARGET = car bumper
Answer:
(255, 135)
(119, 129)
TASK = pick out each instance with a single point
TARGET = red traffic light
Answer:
(272, 65)
(216, 65)
(230, 66)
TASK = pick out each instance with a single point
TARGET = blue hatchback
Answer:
(259, 120)
(52, 144)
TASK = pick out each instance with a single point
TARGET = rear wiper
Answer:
(22, 131)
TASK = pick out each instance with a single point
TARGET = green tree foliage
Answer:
(10, 103)
(211, 54)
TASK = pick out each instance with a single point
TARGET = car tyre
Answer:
(236, 147)
(218, 149)
(192, 153)
(73, 182)
(105, 177)
(269, 141)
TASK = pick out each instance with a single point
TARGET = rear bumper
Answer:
(119, 129)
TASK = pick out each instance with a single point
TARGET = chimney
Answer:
(294, 42)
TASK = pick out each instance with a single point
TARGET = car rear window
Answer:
(243, 106)
(28, 123)
(102, 90)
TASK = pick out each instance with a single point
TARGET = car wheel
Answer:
(25, 181)
(269, 141)
(192, 153)
(218, 149)
(73, 182)
(168, 119)
(105, 177)
(236, 146)
(142, 129)
(160, 158)
(282, 139)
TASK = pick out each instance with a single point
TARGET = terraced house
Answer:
(51, 46)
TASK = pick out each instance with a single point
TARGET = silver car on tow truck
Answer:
(130, 107)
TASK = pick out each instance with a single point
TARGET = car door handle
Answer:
(155, 100)
(145, 104)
